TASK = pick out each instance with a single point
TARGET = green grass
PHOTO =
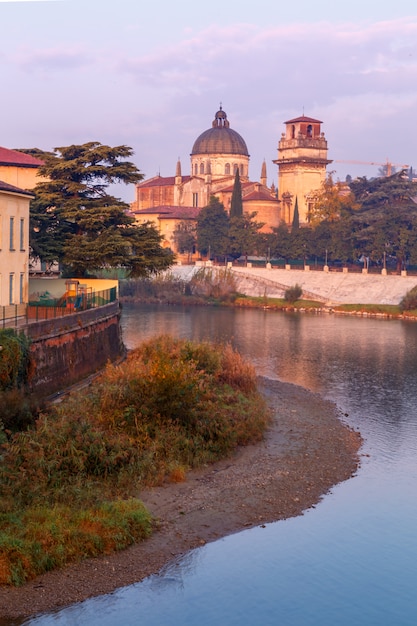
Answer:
(276, 303)
(384, 309)
(69, 485)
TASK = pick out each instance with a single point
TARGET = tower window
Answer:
(293, 131)
(234, 168)
(201, 168)
(241, 170)
(196, 169)
(227, 169)
(309, 130)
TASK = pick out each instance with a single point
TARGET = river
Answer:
(352, 560)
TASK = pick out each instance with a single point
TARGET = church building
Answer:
(215, 156)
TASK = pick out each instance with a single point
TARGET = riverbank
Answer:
(305, 453)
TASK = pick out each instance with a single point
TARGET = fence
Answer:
(19, 315)
(12, 315)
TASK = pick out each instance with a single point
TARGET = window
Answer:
(11, 289)
(21, 288)
(234, 168)
(201, 168)
(227, 169)
(309, 130)
(22, 234)
(240, 170)
(11, 233)
(196, 169)
(195, 199)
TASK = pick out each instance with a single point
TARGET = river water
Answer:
(352, 560)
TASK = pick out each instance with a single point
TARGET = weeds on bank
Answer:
(68, 485)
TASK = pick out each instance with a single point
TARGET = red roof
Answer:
(303, 118)
(260, 195)
(162, 181)
(19, 159)
(172, 212)
(13, 189)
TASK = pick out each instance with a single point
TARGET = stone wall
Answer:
(69, 349)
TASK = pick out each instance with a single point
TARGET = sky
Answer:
(151, 75)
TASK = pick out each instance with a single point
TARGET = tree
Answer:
(74, 219)
(296, 219)
(244, 237)
(331, 201)
(236, 206)
(213, 229)
(386, 223)
(185, 237)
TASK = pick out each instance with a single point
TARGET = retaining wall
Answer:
(69, 349)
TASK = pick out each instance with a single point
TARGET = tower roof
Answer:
(303, 118)
(220, 138)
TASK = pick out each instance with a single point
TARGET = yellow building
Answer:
(216, 155)
(14, 245)
(19, 169)
(302, 161)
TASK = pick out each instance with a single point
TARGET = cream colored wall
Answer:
(22, 177)
(267, 213)
(166, 227)
(14, 262)
(218, 164)
(299, 181)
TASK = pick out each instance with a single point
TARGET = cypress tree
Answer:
(236, 206)
(296, 219)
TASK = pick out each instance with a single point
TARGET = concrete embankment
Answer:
(331, 288)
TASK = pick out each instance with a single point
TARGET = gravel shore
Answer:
(307, 451)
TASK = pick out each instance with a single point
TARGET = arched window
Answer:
(227, 169)
(241, 170)
(309, 130)
(196, 169)
(234, 168)
(201, 168)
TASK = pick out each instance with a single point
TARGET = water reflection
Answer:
(352, 559)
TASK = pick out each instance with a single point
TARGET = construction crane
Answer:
(387, 164)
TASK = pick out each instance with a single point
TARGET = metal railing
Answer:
(18, 316)
(12, 315)
(53, 308)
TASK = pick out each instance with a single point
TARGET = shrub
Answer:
(15, 361)
(292, 294)
(409, 302)
(171, 405)
(18, 409)
(219, 284)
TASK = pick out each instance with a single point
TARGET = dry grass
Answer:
(66, 483)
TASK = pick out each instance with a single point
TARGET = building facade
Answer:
(14, 245)
(302, 161)
(19, 169)
(215, 156)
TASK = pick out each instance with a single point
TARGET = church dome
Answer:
(220, 139)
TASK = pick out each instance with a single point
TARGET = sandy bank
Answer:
(306, 451)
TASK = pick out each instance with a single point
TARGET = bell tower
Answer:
(302, 160)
